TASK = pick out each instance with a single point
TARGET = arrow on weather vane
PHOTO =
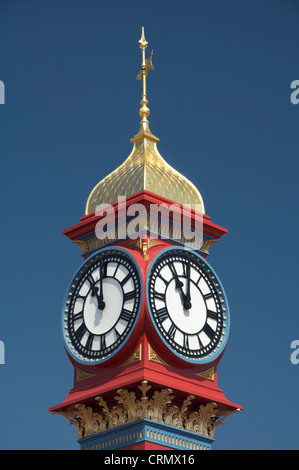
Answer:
(148, 66)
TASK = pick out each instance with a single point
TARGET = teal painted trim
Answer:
(149, 431)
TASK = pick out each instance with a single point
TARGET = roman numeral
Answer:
(162, 314)
(89, 341)
(199, 342)
(159, 295)
(117, 334)
(126, 315)
(162, 279)
(129, 295)
(125, 279)
(212, 315)
(209, 331)
(186, 267)
(208, 296)
(103, 269)
(186, 341)
(78, 316)
(103, 342)
(81, 297)
(81, 331)
(172, 331)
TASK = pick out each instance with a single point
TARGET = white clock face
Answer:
(102, 306)
(187, 305)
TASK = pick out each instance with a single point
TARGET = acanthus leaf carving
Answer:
(176, 416)
(159, 407)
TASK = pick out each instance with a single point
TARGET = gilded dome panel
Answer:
(145, 169)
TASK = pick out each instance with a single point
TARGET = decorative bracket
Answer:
(145, 244)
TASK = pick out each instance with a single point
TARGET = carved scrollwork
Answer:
(159, 407)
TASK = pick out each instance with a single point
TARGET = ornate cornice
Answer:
(162, 406)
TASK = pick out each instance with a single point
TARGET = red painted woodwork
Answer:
(88, 222)
(106, 381)
(170, 371)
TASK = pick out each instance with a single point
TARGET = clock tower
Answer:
(145, 319)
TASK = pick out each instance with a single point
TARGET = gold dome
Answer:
(145, 169)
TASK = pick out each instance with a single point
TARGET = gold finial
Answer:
(147, 65)
(144, 169)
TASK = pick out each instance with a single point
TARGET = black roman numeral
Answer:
(125, 279)
(103, 342)
(129, 295)
(209, 331)
(104, 269)
(78, 316)
(212, 315)
(172, 331)
(125, 315)
(159, 295)
(186, 267)
(199, 342)
(116, 333)
(89, 341)
(80, 331)
(162, 314)
(186, 341)
(162, 279)
(208, 296)
(81, 297)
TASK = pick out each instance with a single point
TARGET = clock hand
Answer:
(93, 288)
(178, 283)
(101, 298)
(94, 293)
(187, 302)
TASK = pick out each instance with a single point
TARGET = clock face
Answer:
(188, 305)
(102, 306)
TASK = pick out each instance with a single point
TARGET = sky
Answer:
(219, 99)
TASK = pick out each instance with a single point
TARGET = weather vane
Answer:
(147, 64)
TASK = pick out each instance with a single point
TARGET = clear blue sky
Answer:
(220, 103)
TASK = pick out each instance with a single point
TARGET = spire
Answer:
(144, 169)
(144, 111)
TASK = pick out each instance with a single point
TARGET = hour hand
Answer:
(94, 289)
(94, 293)
(178, 284)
